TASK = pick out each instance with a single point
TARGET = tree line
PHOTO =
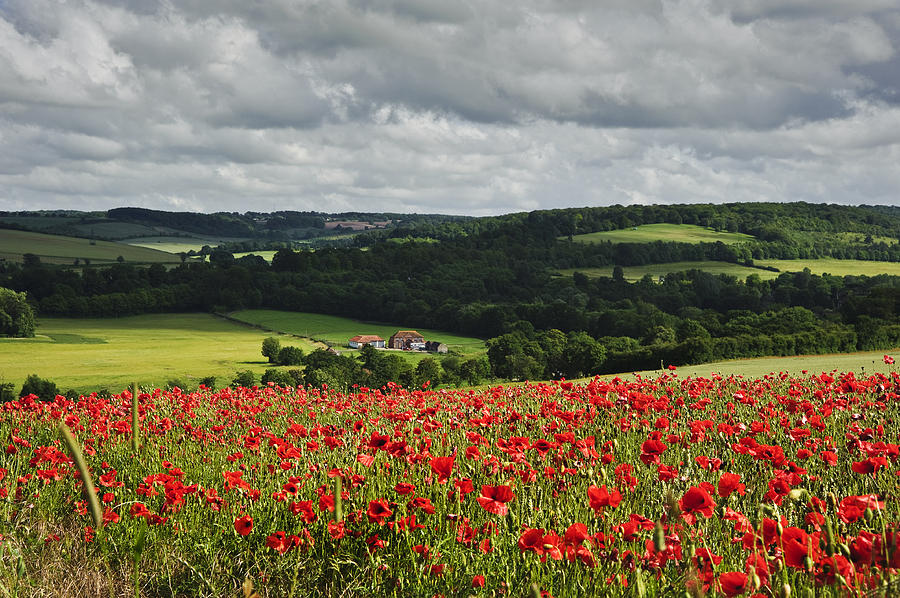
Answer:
(493, 278)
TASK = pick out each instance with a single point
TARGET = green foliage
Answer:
(279, 377)
(46, 390)
(208, 382)
(16, 315)
(270, 348)
(244, 378)
(290, 356)
(7, 392)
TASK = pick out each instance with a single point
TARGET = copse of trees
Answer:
(16, 315)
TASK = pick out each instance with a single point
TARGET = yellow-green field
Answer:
(93, 353)
(819, 266)
(867, 361)
(170, 244)
(56, 249)
(633, 273)
(337, 331)
(647, 233)
(835, 267)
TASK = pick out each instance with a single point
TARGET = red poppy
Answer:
(304, 509)
(532, 540)
(379, 511)
(651, 450)
(854, 507)
(279, 542)
(494, 498)
(696, 500)
(601, 497)
(243, 525)
(442, 467)
(728, 483)
(734, 583)
(478, 581)
(404, 488)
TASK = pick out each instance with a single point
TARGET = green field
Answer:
(835, 267)
(633, 273)
(337, 331)
(817, 266)
(868, 362)
(56, 249)
(647, 233)
(89, 354)
(171, 244)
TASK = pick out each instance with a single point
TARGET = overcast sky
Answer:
(447, 106)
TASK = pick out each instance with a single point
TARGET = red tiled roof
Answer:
(406, 334)
(366, 338)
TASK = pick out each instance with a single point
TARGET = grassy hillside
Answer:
(55, 249)
(835, 267)
(868, 362)
(817, 266)
(647, 233)
(633, 273)
(337, 331)
(87, 354)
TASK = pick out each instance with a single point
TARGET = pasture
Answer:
(862, 362)
(57, 249)
(336, 331)
(647, 233)
(634, 273)
(835, 267)
(87, 354)
(816, 266)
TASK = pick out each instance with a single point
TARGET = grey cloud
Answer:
(452, 107)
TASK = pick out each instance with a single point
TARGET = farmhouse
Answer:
(360, 340)
(435, 347)
(407, 339)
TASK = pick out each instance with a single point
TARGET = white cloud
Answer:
(446, 107)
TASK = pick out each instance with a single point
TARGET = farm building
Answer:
(360, 340)
(407, 339)
(435, 347)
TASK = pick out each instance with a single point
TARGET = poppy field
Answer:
(669, 485)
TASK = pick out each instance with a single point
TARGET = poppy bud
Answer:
(845, 550)
(755, 581)
(869, 515)
(786, 591)
(659, 538)
(779, 529)
(807, 563)
(799, 494)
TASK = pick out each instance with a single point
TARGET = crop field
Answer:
(653, 486)
(337, 331)
(863, 362)
(647, 233)
(85, 354)
(633, 273)
(835, 267)
(816, 266)
(170, 244)
(56, 249)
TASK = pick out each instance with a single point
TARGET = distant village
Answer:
(405, 340)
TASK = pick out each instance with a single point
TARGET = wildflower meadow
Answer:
(661, 486)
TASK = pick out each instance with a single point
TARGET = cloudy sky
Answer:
(464, 107)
